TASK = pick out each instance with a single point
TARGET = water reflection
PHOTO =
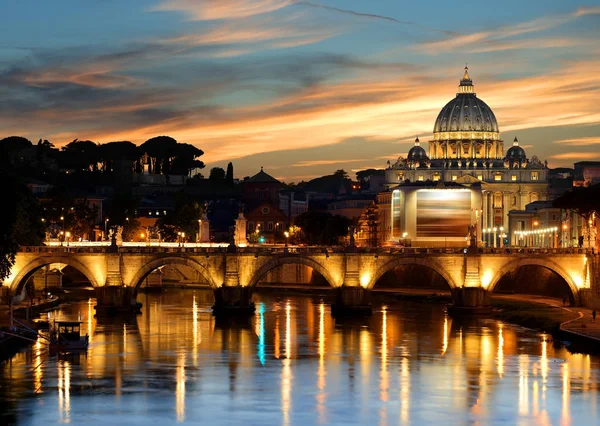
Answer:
(293, 364)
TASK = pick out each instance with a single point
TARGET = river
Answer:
(292, 364)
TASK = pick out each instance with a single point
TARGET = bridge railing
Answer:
(306, 250)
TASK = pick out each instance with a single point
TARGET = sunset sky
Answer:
(301, 88)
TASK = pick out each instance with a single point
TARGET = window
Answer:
(400, 176)
(436, 177)
(251, 226)
(514, 201)
(454, 177)
(498, 200)
(269, 226)
(420, 178)
(498, 177)
(513, 178)
(149, 213)
(535, 175)
(480, 177)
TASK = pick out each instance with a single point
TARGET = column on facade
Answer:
(484, 213)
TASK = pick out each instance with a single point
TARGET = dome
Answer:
(466, 113)
(515, 152)
(417, 152)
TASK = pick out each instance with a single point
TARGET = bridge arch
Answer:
(147, 268)
(546, 263)
(24, 274)
(428, 263)
(291, 260)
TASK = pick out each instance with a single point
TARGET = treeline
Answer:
(162, 154)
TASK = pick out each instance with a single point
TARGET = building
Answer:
(261, 188)
(466, 148)
(586, 173)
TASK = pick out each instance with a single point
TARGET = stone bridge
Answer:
(117, 273)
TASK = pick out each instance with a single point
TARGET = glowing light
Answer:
(578, 280)
(404, 387)
(486, 279)
(365, 278)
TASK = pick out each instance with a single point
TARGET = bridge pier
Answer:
(470, 300)
(113, 300)
(351, 301)
(234, 301)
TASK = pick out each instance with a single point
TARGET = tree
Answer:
(217, 174)
(11, 147)
(229, 175)
(81, 155)
(161, 150)
(20, 224)
(341, 173)
(111, 152)
(364, 176)
(186, 159)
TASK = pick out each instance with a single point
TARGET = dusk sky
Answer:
(301, 88)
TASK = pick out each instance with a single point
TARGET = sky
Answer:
(301, 88)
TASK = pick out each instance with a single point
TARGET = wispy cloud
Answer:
(576, 156)
(492, 40)
(222, 9)
(591, 140)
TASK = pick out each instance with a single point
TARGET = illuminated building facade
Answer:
(465, 149)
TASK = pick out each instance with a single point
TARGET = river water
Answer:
(292, 364)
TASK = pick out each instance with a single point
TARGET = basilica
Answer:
(463, 179)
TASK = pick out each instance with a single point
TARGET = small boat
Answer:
(65, 337)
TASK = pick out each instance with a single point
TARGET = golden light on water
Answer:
(286, 372)
(180, 388)
(523, 385)
(445, 336)
(64, 392)
(404, 387)
(500, 356)
(321, 373)
(565, 413)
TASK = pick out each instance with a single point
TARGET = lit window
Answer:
(436, 177)
(535, 176)
(400, 176)
(149, 213)
(420, 178)
(165, 212)
(480, 177)
(497, 177)
(513, 178)
(454, 177)
(498, 200)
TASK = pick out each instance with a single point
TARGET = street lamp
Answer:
(495, 230)
(287, 235)
(106, 228)
(501, 236)
(62, 218)
(199, 230)
(67, 236)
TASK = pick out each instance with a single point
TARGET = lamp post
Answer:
(501, 236)
(106, 228)
(495, 230)
(199, 230)
(287, 235)
(62, 219)
(62, 239)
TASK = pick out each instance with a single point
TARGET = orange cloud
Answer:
(576, 156)
(591, 140)
(222, 9)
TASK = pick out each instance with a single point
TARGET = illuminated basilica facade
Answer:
(465, 154)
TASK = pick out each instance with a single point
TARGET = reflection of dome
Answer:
(417, 152)
(466, 112)
(515, 152)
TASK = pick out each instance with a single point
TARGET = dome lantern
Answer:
(466, 84)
